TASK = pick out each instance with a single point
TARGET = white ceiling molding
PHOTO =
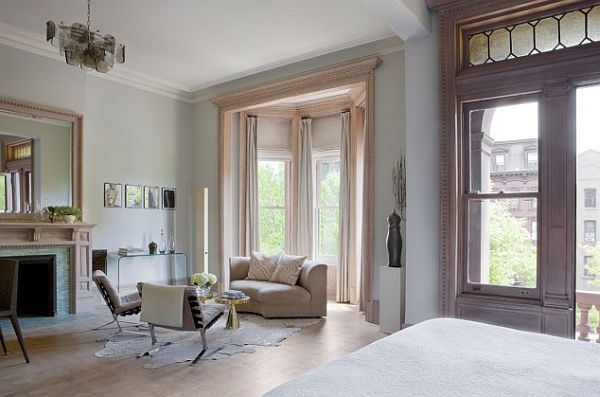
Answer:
(36, 44)
(409, 19)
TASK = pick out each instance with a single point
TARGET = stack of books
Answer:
(130, 251)
(233, 294)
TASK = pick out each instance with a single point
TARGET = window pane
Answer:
(502, 246)
(271, 202)
(2, 193)
(271, 183)
(588, 183)
(329, 231)
(504, 149)
(329, 189)
(272, 229)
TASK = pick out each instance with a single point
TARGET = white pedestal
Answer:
(391, 299)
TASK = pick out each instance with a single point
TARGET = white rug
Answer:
(254, 331)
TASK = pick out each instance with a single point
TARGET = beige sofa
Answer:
(308, 298)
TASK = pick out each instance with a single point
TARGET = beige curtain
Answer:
(362, 215)
(305, 189)
(252, 232)
(344, 275)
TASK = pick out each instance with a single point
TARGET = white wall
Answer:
(423, 180)
(389, 134)
(130, 136)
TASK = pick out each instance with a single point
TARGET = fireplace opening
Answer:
(36, 293)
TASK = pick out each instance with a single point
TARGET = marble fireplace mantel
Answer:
(77, 237)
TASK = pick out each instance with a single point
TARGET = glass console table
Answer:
(147, 255)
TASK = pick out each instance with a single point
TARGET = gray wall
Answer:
(422, 164)
(130, 136)
(389, 134)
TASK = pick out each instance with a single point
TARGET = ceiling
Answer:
(193, 44)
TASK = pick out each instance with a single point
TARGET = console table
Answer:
(142, 255)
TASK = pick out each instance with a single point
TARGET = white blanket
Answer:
(449, 357)
(162, 304)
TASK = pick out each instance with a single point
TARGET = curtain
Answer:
(345, 215)
(252, 231)
(363, 216)
(305, 189)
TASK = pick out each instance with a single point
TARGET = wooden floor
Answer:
(63, 362)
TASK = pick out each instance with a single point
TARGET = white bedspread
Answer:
(449, 357)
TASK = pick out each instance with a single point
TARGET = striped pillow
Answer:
(262, 266)
(288, 269)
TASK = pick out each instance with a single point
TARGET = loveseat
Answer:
(308, 298)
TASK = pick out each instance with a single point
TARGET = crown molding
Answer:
(34, 43)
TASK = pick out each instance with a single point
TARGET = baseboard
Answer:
(375, 308)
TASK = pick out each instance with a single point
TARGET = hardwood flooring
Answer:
(63, 362)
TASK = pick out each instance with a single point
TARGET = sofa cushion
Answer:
(272, 293)
(288, 269)
(261, 266)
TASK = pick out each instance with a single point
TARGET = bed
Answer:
(450, 357)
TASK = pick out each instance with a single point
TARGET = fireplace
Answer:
(37, 285)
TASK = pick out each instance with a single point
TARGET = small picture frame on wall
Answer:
(151, 197)
(133, 196)
(113, 195)
(168, 196)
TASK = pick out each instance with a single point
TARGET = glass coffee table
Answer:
(233, 322)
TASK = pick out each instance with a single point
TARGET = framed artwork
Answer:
(133, 196)
(113, 195)
(151, 197)
(168, 198)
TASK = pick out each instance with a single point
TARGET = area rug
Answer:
(254, 331)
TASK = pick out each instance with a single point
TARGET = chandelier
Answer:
(84, 48)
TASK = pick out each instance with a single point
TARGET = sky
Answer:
(521, 121)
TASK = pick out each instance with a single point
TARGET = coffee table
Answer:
(233, 322)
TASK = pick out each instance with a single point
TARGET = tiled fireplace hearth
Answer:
(70, 243)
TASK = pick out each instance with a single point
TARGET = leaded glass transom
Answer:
(553, 33)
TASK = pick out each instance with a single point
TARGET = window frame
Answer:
(319, 156)
(466, 196)
(585, 232)
(284, 156)
(585, 198)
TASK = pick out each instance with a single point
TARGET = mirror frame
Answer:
(76, 120)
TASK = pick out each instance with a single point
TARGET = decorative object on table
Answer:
(162, 243)
(83, 47)
(254, 331)
(133, 196)
(65, 213)
(151, 197)
(168, 198)
(172, 245)
(152, 248)
(233, 321)
(113, 193)
(233, 294)
(394, 236)
(204, 281)
(130, 251)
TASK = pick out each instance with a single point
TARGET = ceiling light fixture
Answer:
(84, 48)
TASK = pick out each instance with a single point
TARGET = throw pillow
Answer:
(288, 269)
(262, 266)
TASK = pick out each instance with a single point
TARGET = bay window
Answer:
(327, 211)
(273, 204)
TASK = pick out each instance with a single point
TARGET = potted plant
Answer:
(67, 213)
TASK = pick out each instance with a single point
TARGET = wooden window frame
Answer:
(467, 195)
(555, 76)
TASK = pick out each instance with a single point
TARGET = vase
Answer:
(162, 244)
(152, 248)
(69, 218)
(203, 291)
(394, 240)
(172, 242)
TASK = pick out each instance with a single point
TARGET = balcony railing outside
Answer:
(586, 300)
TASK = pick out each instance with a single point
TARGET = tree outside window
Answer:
(2, 193)
(272, 204)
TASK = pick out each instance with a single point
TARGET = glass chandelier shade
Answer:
(84, 48)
